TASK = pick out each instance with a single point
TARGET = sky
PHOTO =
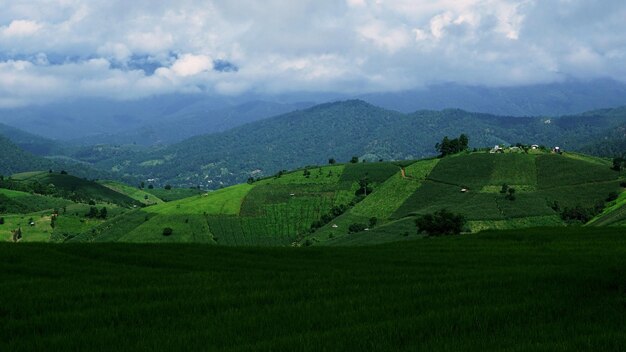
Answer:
(59, 49)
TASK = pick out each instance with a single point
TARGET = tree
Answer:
(452, 146)
(504, 188)
(364, 187)
(353, 228)
(332, 161)
(618, 164)
(354, 160)
(93, 212)
(1, 221)
(142, 185)
(103, 213)
(373, 221)
(150, 186)
(63, 172)
(168, 187)
(463, 142)
(511, 194)
(442, 222)
(250, 180)
(168, 231)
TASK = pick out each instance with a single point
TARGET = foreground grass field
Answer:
(536, 289)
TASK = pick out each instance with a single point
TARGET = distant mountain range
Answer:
(345, 129)
(172, 118)
(337, 130)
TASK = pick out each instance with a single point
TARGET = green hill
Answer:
(135, 193)
(318, 204)
(70, 187)
(342, 130)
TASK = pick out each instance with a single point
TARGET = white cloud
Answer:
(190, 65)
(19, 28)
(63, 48)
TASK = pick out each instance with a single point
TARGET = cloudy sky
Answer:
(55, 49)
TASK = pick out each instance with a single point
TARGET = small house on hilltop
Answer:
(496, 149)
(534, 147)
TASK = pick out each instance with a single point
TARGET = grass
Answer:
(170, 195)
(135, 193)
(382, 203)
(22, 202)
(69, 185)
(225, 201)
(377, 172)
(534, 289)
(557, 171)
(614, 214)
(69, 223)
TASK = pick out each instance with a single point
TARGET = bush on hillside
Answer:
(167, 231)
(580, 214)
(353, 228)
(1, 221)
(442, 222)
(612, 196)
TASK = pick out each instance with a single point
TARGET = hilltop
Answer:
(318, 205)
(342, 130)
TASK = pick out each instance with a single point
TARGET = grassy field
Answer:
(169, 195)
(135, 193)
(69, 223)
(613, 215)
(69, 186)
(22, 202)
(536, 289)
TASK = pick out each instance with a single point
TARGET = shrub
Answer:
(442, 222)
(612, 196)
(356, 227)
(167, 231)
(354, 160)
(1, 221)
(168, 187)
(373, 221)
(580, 213)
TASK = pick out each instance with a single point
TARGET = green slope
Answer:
(72, 187)
(317, 205)
(272, 211)
(135, 193)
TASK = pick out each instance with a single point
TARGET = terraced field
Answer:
(319, 205)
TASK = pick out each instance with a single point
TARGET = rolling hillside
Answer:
(342, 130)
(72, 187)
(317, 205)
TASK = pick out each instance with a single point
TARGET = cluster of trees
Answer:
(442, 222)
(94, 213)
(334, 212)
(358, 227)
(452, 146)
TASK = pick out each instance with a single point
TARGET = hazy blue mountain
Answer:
(534, 100)
(172, 118)
(32, 143)
(191, 121)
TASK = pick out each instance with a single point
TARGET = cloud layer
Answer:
(55, 49)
